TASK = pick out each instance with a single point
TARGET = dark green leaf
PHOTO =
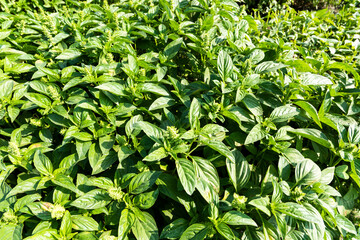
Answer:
(173, 48)
(175, 229)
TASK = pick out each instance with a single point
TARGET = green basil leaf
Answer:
(307, 172)
(173, 48)
(239, 170)
(196, 231)
(84, 223)
(225, 65)
(237, 218)
(42, 163)
(186, 173)
(345, 224)
(311, 110)
(145, 227)
(194, 114)
(68, 54)
(39, 99)
(314, 135)
(175, 229)
(143, 181)
(66, 224)
(296, 211)
(126, 222)
(94, 199)
(146, 200)
(225, 230)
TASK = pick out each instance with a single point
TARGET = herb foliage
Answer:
(178, 120)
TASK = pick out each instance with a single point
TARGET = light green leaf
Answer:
(69, 54)
(11, 231)
(261, 204)
(187, 175)
(162, 102)
(19, 68)
(84, 223)
(225, 231)
(113, 87)
(146, 200)
(327, 175)
(42, 163)
(13, 112)
(156, 154)
(27, 199)
(253, 104)
(255, 134)
(284, 113)
(346, 67)
(4, 34)
(65, 182)
(206, 171)
(59, 37)
(224, 65)
(154, 88)
(307, 172)
(311, 110)
(94, 199)
(51, 73)
(46, 234)
(66, 224)
(237, 218)
(144, 227)
(238, 170)
(27, 185)
(143, 181)
(194, 114)
(124, 152)
(300, 65)
(314, 79)
(104, 162)
(341, 171)
(39, 99)
(268, 66)
(297, 211)
(345, 224)
(314, 135)
(147, 29)
(127, 220)
(196, 231)
(237, 114)
(152, 131)
(6, 88)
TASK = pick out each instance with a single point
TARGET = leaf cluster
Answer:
(156, 119)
